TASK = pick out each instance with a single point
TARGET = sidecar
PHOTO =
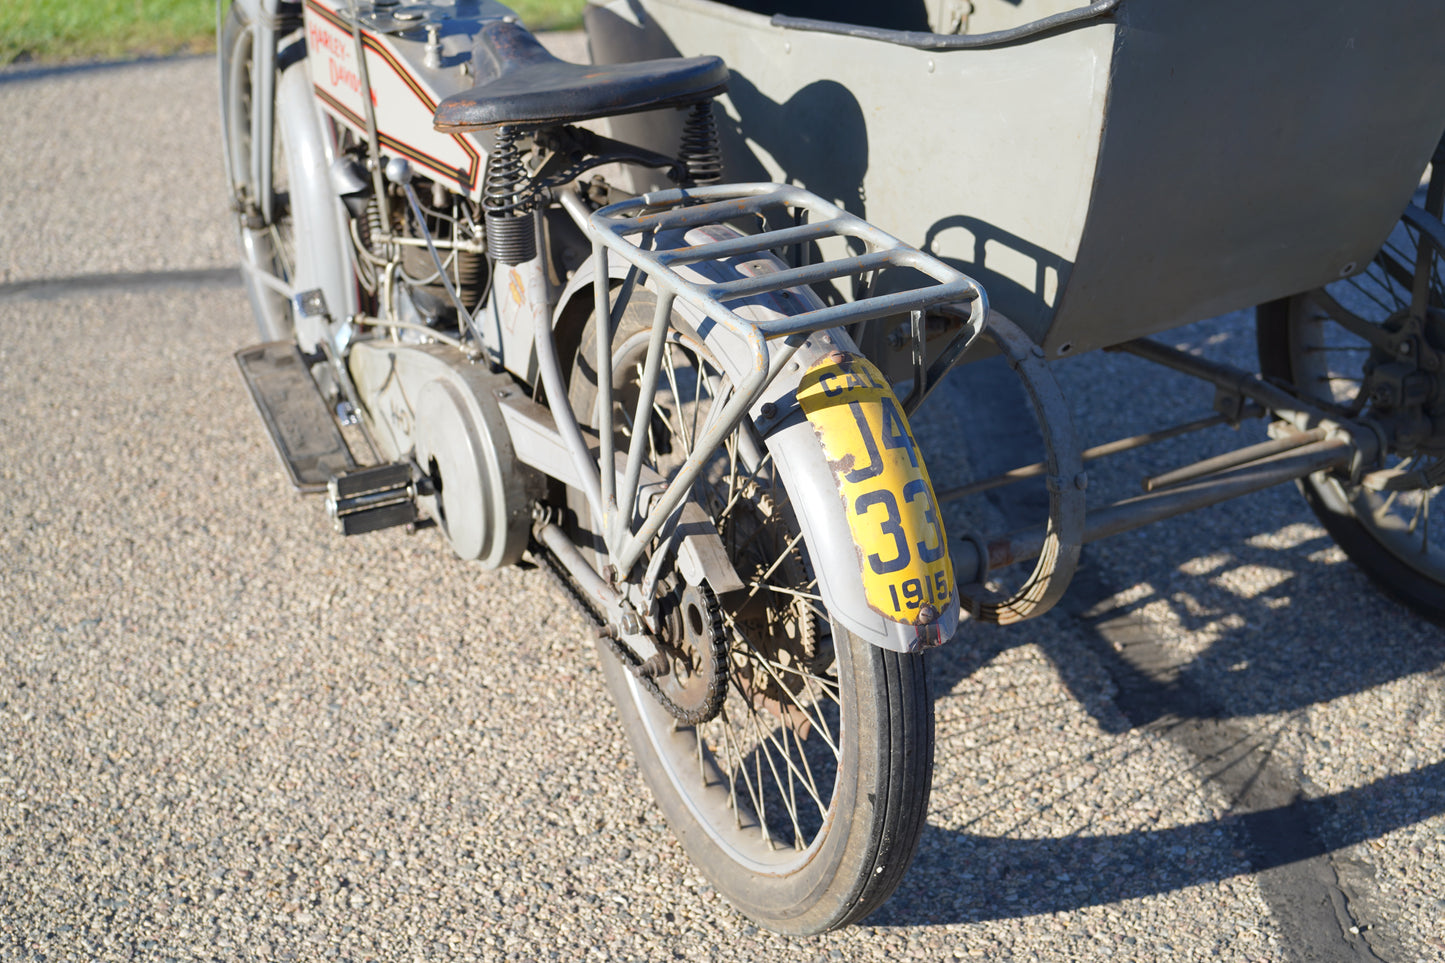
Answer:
(1113, 169)
(1105, 170)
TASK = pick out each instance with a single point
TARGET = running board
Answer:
(306, 436)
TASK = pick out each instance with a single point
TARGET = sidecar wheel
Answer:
(803, 799)
(1397, 538)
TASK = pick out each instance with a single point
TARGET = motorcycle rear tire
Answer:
(828, 861)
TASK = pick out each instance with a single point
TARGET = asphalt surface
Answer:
(227, 734)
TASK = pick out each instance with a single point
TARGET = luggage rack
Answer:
(616, 226)
(649, 233)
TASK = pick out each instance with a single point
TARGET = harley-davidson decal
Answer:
(403, 103)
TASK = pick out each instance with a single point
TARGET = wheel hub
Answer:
(1404, 388)
(693, 670)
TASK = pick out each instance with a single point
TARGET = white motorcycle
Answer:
(467, 323)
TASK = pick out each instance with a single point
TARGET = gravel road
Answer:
(227, 734)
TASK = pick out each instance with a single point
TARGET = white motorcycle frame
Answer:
(518, 332)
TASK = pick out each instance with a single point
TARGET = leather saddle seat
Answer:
(525, 86)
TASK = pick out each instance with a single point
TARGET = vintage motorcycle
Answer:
(516, 298)
(463, 327)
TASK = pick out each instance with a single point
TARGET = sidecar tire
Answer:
(1417, 581)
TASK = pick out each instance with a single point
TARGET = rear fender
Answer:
(815, 441)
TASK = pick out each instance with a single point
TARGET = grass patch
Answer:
(550, 14)
(51, 30)
(59, 30)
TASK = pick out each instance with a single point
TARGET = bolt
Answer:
(768, 410)
(1406, 349)
(1081, 481)
(608, 631)
(398, 170)
(630, 623)
(433, 45)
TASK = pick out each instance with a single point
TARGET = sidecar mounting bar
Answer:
(1303, 415)
(1089, 454)
(1308, 439)
(1131, 513)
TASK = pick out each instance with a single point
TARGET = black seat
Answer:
(524, 85)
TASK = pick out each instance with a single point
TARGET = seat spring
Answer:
(507, 202)
(700, 151)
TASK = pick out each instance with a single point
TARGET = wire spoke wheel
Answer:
(802, 798)
(267, 242)
(1373, 346)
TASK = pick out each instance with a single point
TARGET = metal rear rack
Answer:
(639, 229)
(616, 227)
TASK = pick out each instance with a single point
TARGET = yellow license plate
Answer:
(890, 505)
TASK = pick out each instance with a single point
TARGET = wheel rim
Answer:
(1334, 362)
(268, 249)
(762, 777)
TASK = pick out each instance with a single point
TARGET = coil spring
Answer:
(700, 151)
(371, 226)
(506, 203)
(366, 227)
(471, 276)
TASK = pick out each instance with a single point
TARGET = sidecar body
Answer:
(1107, 170)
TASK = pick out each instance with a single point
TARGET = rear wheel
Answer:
(1367, 346)
(803, 797)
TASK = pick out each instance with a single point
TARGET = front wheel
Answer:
(290, 225)
(803, 796)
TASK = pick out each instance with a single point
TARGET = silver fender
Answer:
(796, 450)
(323, 243)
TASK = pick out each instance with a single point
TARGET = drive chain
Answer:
(629, 660)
